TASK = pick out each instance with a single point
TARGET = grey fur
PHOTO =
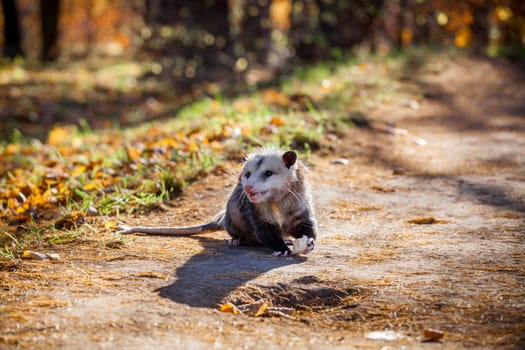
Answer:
(281, 209)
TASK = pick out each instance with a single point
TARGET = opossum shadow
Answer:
(208, 277)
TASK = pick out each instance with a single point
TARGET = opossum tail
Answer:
(171, 231)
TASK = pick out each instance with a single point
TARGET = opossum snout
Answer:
(248, 188)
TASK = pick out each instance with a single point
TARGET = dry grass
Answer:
(376, 255)
(426, 220)
(347, 210)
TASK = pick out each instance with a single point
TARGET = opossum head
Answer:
(268, 175)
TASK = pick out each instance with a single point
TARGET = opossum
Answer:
(269, 205)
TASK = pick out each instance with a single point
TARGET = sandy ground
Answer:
(423, 229)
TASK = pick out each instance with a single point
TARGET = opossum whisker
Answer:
(243, 195)
(295, 195)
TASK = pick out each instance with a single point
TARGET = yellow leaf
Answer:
(12, 148)
(262, 309)
(133, 152)
(38, 200)
(92, 185)
(193, 147)
(65, 150)
(277, 121)
(167, 142)
(23, 208)
(79, 170)
(59, 134)
(256, 309)
(12, 203)
(29, 254)
(110, 225)
(230, 308)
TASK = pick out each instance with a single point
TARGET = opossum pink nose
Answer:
(248, 188)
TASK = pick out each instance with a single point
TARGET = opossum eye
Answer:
(248, 174)
(268, 173)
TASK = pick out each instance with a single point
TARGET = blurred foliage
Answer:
(119, 63)
(189, 35)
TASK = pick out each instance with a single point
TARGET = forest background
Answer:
(189, 46)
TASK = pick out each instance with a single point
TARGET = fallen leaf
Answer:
(193, 147)
(92, 185)
(153, 274)
(277, 121)
(230, 308)
(30, 254)
(432, 334)
(382, 189)
(255, 309)
(425, 220)
(133, 152)
(111, 225)
(59, 135)
(81, 169)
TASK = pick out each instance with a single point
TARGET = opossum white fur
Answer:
(270, 204)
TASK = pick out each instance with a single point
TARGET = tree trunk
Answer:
(12, 39)
(49, 10)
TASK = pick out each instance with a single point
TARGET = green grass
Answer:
(11, 245)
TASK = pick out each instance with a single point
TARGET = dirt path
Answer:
(460, 169)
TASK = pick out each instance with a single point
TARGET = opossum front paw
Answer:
(309, 246)
(303, 245)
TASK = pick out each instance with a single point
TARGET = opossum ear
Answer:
(289, 158)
